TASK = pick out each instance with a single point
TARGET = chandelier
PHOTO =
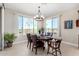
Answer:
(39, 17)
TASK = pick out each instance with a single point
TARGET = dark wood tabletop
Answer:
(45, 38)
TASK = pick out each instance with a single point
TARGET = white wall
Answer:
(70, 36)
(11, 25)
(10, 21)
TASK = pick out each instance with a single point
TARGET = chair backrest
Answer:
(34, 39)
(49, 34)
(57, 43)
(29, 37)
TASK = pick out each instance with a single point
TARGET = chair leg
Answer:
(48, 49)
(43, 48)
(32, 48)
(60, 52)
(30, 45)
(27, 44)
(52, 51)
(55, 52)
(36, 50)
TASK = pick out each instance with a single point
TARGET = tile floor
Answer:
(22, 50)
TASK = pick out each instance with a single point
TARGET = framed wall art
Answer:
(77, 23)
(68, 24)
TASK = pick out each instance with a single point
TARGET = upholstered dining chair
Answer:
(55, 46)
(37, 43)
(29, 40)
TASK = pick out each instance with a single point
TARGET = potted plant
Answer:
(9, 38)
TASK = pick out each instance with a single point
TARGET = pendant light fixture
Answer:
(39, 16)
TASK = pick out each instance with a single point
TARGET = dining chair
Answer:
(37, 43)
(49, 34)
(29, 40)
(55, 45)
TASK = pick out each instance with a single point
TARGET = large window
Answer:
(55, 26)
(52, 25)
(49, 25)
(20, 24)
(35, 27)
(27, 25)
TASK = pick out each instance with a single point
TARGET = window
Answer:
(55, 24)
(26, 25)
(49, 25)
(52, 25)
(35, 27)
(20, 24)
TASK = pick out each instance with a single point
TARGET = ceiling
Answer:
(47, 9)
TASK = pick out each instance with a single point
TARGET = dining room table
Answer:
(48, 38)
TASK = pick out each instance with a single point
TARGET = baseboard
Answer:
(75, 45)
(19, 42)
(68, 43)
